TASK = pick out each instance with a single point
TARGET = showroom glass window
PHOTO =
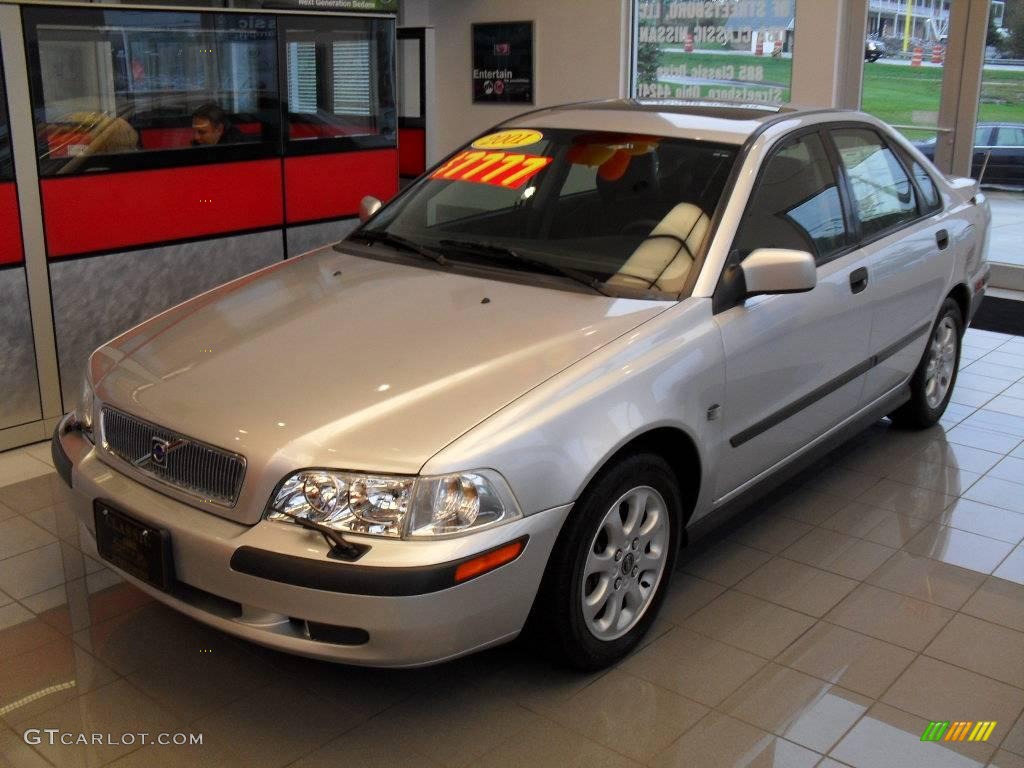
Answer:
(883, 195)
(339, 83)
(117, 89)
(795, 203)
(6, 160)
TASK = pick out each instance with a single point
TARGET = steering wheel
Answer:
(639, 227)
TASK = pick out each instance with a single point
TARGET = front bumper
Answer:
(378, 626)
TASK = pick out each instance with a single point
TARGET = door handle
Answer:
(859, 279)
(942, 238)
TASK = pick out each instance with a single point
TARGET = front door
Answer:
(794, 362)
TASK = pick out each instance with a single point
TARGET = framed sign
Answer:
(503, 63)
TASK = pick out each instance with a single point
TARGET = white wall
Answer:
(581, 51)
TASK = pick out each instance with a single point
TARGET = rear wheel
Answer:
(932, 383)
(610, 568)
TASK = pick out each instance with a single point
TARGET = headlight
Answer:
(86, 406)
(386, 505)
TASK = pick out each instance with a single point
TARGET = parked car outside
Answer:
(874, 50)
(512, 395)
(998, 158)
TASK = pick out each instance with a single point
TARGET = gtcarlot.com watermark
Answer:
(55, 736)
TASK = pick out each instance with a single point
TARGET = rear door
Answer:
(794, 362)
(1006, 161)
(904, 244)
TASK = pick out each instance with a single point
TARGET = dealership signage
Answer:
(503, 63)
(374, 6)
(723, 50)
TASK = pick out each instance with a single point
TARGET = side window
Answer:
(927, 185)
(983, 136)
(340, 77)
(795, 204)
(882, 193)
(1010, 136)
(126, 89)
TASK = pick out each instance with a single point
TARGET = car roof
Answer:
(705, 120)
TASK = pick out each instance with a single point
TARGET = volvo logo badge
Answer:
(159, 450)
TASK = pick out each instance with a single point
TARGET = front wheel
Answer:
(932, 384)
(610, 568)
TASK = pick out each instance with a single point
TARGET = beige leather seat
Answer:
(663, 260)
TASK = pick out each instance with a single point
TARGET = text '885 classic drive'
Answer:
(501, 402)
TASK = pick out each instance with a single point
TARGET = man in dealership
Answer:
(210, 125)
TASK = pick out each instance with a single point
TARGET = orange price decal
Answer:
(499, 169)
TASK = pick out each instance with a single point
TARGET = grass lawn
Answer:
(892, 92)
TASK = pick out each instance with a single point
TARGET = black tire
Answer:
(557, 621)
(916, 413)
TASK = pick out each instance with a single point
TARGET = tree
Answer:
(647, 59)
(1013, 19)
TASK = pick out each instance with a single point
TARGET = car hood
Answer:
(344, 361)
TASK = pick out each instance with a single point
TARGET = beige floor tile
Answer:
(1010, 468)
(1012, 568)
(981, 383)
(888, 616)
(927, 579)
(984, 520)
(909, 499)
(1004, 759)
(17, 467)
(772, 533)
(807, 506)
(181, 756)
(839, 553)
(797, 586)
(541, 741)
(46, 676)
(18, 535)
(930, 686)
(693, 665)
(857, 519)
(41, 569)
(58, 520)
(1014, 740)
(984, 439)
(956, 455)
(956, 547)
(998, 493)
(6, 513)
(534, 683)
(654, 718)
(974, 398)
(14, 752)
(803, 709)
(998, 601)
(687, 595)
(21, 631)
(845, 483)
(1006, 423)
(897, 530)
(726, 562)
(720, 741)
(87, 602)
(982, 647)
(114, 709)
(276, 725)
(40, 490)
(372, 745)
(1007, 373)
(890, 738)
(750, 623)
(946, 480)
(854, 661)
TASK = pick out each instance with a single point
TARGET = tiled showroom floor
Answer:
(881, 590)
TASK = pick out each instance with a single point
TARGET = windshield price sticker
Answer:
(513, 139)
(510, 170)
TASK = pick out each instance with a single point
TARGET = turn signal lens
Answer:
(489, 561)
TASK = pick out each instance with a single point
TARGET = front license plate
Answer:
(134, 547)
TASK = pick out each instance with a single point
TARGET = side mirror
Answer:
(368, 206)
(778, 270)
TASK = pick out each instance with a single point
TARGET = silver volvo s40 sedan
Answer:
(512, 395)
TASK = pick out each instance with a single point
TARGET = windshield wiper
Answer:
(397, 241)
(545, 266)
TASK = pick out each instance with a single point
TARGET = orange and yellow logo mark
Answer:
(958, 730)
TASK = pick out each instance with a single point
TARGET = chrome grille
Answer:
(200, 470)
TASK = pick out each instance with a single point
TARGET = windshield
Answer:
(625, 213)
